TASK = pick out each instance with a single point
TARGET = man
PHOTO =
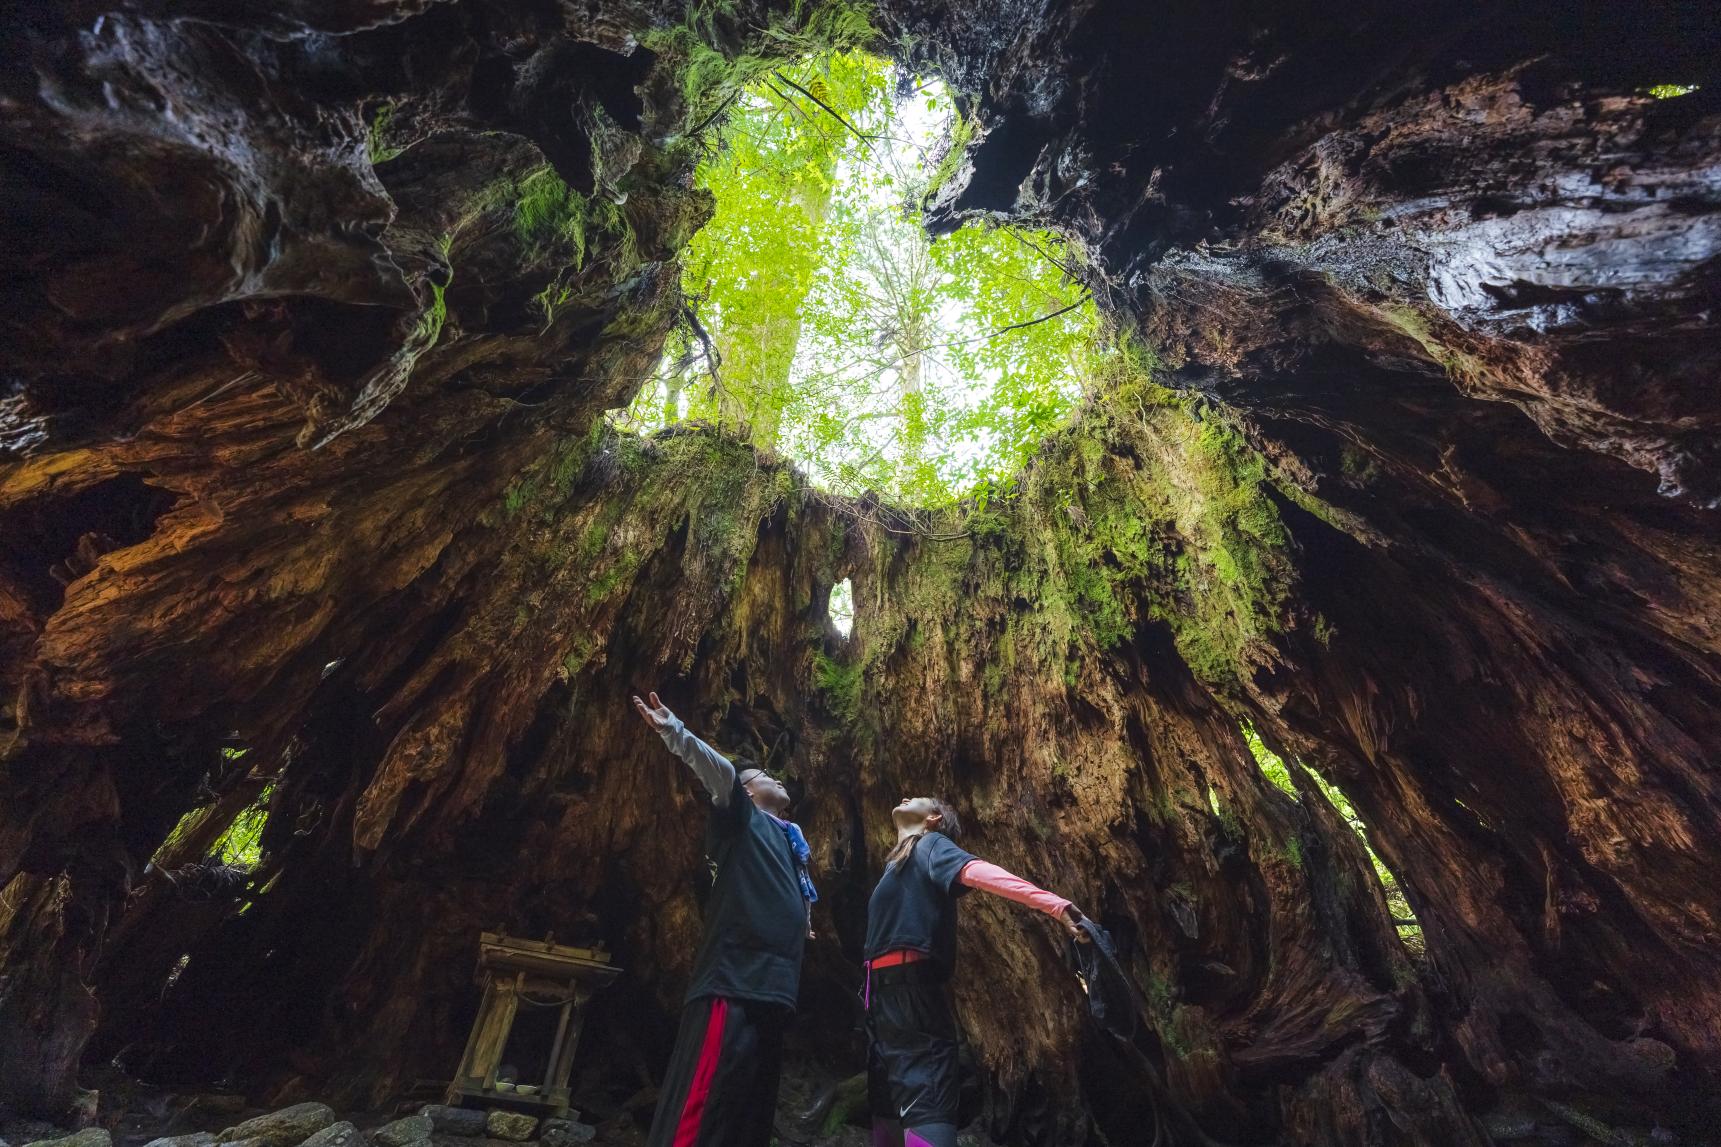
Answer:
(721, 1087)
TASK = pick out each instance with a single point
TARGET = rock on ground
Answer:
(566, 1133)
(287, 1127)
(193, 1139)
(441, 1140)
(463, 1121)
(342, 1134)
(401, 1132)
(514, 1125)
(88, 1137)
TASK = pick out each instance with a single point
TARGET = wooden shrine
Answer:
(528, 1025)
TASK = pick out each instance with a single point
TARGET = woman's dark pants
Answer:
(912, 1079)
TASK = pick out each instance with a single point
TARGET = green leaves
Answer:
(872, 356)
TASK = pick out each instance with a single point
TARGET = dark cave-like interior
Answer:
(311, 519)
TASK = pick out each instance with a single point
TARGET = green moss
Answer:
(961, 135)
(841, 685)
(518, 495)
(1159, 994)
(1224, 814)
(709, 75)
(1460, 364)
(549, 215)
(1151, 508)
(585, 645)
(617, 574)
(847, 1106)
(430, 323)
(558, 227)
(381, 151)
(1356, 465)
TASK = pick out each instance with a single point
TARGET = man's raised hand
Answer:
(656, 714)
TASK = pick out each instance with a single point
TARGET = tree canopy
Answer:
(829, 327)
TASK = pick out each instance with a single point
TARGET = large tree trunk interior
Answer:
(308, 504)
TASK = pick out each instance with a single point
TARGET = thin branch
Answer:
(793, 106)
(1086, 295)
(860, 135)
(721, 108)
(1036, 248)
(712, 358)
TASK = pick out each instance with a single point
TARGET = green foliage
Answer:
(1277, 771)
(1272, 765)
(242, 843)
(849, 341)
(1670, 91)
(841, 607)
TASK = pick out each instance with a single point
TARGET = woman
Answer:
(910, 954)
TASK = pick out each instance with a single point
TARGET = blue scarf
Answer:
(803, 854)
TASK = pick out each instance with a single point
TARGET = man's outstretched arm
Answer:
(712, 768)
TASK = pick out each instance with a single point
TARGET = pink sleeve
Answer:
(990, 878)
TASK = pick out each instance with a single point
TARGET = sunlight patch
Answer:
(842, 607)
(833, 331)
(1274, 768)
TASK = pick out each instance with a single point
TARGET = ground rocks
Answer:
(89, 1137)
(566, 1133)
(446, 1120)
(287, 1127)
(512, 1125)
(194, 1139)
(412, 1129)
(441, 1140)
(342, 1134)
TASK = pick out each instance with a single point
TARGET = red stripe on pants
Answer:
(699, 1090)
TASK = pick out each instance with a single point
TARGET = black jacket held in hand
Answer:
(1111, 996)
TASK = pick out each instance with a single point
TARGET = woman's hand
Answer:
(1072, 922)
(656, 714)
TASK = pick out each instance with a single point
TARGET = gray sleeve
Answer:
(711, 767)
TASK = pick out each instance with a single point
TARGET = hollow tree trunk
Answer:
(1418, 485)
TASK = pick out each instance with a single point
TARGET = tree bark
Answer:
(1411, 468)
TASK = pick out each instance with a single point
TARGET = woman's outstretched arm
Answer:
(988, 877)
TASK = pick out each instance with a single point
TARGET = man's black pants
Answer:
(721, 1086)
